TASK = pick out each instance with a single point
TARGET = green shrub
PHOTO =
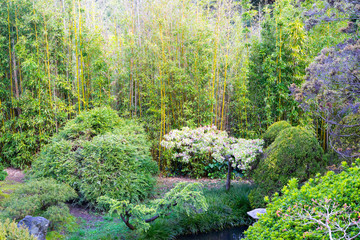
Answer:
(273, 131)
(3, 173)
(106, 158)
(295, 153)
(10, 231)
(89, 124)
(44, 197)
(284, 218)
(117, 168)
(225, 209)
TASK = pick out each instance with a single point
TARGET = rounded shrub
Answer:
(273, 131)
(295, 153)
(332, 199)
(89, 124)
(110, 158)
(10, 231)
(40, 198)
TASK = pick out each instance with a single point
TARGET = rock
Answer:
(37, 226)
(256, 212)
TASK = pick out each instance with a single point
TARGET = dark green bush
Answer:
(91, 123)
(40, 198)
(273, 131)
(100, 154)
(282, 220)
(295, 153)
(3, 173)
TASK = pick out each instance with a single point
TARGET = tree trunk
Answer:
(228, 180)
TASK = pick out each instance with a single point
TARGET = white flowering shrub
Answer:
(197, 148)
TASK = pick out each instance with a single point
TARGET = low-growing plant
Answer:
(10, 231)
(183, 198)
(273, 131)
(45, 198)
(99, 154)
(294, 153)
(324, 207)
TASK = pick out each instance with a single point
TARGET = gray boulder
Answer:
(37, 226)
(256, 212)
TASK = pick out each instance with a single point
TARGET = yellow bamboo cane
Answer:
(10, 53)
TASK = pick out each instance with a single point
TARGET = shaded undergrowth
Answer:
(226, 209)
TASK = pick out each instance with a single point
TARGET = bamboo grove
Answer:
(169, 64)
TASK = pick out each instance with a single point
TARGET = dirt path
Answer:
(14, 175)
(84, 214)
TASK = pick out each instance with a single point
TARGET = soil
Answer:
(84, 214)
(14, 175)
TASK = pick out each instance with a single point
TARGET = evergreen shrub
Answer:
(273, 131)
(10, 231)
(286, 218)
(100, 154)
(40, 198)
(295, 153)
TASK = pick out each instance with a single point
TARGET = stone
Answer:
(256, 212)
(37, 226)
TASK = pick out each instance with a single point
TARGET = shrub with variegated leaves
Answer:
(194, 149)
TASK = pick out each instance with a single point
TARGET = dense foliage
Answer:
(10, 231)
(3, 173)
(183, 198)
(332, 93)
(169, 63)
(40, 198)
(102, 94)
(225, 209)
(321, 209)
(273, 131)
(295, 153)
(201, 149)
(100, 154)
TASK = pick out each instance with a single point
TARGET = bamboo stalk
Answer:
(1, 111)
(17, 40)
(10, 65)
(48, 61)
(77, 59)
(81, 57)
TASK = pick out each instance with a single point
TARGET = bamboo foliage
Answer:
(169, 64)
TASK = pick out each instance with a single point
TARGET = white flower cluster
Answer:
(209, 142)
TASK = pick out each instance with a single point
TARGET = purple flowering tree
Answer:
(332, 92)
